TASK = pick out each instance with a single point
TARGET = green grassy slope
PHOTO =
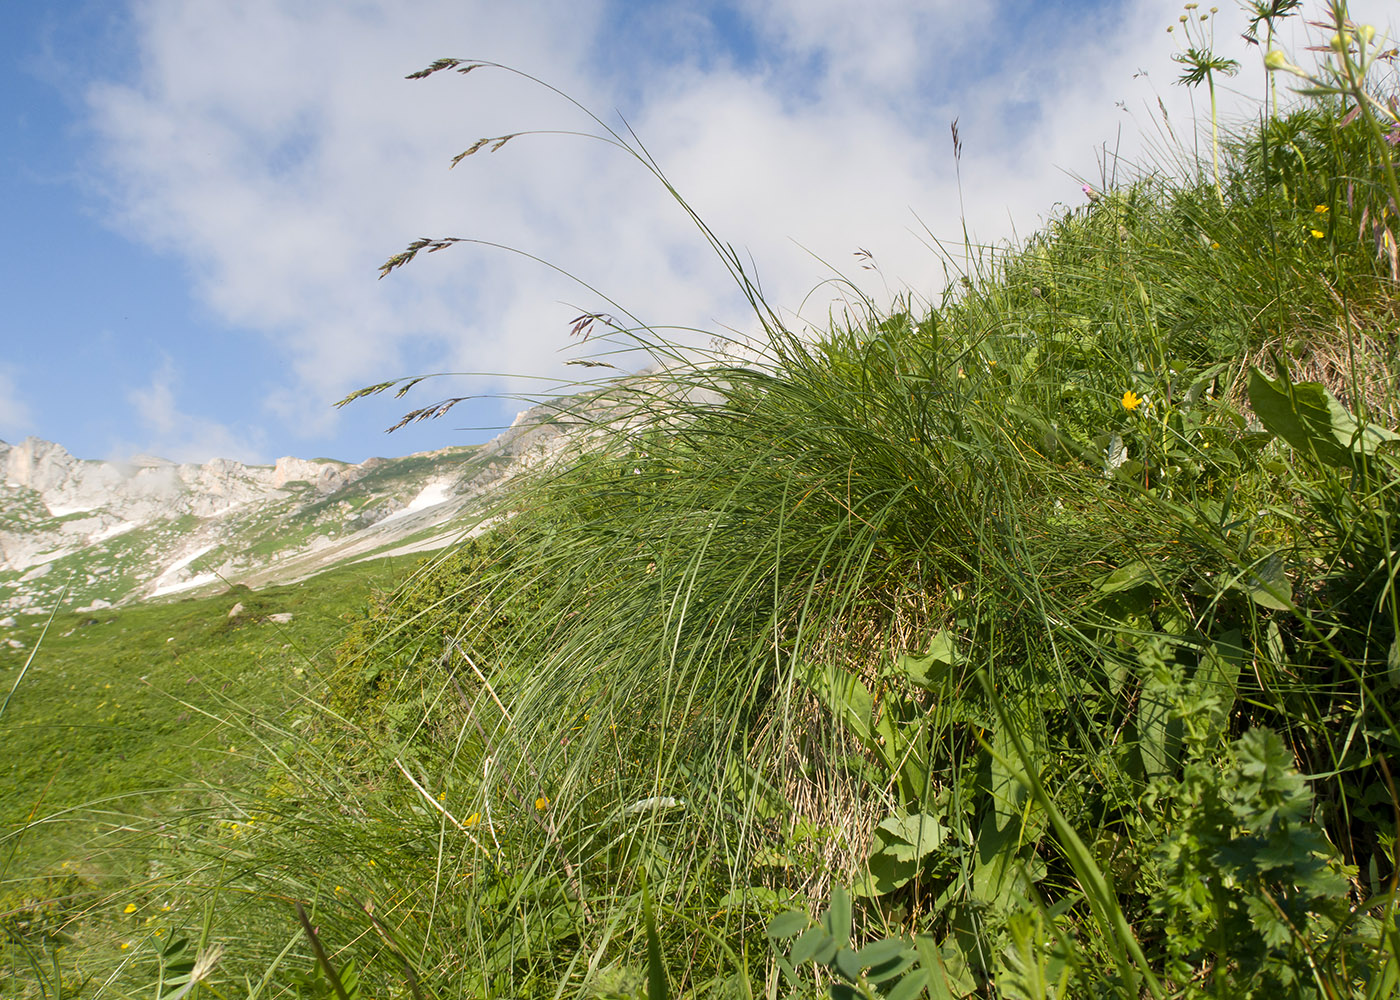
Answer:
(127, 714)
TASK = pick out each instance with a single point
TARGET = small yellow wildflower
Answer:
(1321, 209)
(130, 908)
(1317, 234)
(542, 803)
(126, 945)
(442, 796)
(473, 819)
(1215, 246)
(1131, 401)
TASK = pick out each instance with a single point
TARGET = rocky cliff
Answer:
(112, 532)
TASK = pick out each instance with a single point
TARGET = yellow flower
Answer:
(473, 819)
(542, 803)
(126, 945)
(1317, 234)
(1321, 209)
(130, 908)
(1131, 401)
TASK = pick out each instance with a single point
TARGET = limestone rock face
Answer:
(105, 533)
(325, 475)
(147, 527)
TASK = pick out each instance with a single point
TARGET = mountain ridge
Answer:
(100, 534)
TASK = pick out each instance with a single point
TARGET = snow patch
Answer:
(60, 511)
(165, 585)
(190, 584)
(431, 495)
(115, 530)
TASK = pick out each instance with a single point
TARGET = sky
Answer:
(197, 194)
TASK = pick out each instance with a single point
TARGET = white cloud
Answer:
(275, 146)
(173, 433)
(15, 418)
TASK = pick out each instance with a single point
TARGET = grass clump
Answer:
(1039, 642)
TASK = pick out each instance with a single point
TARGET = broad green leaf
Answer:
(899, 748)
(900, 845)
(910, 836)
(838, 916)
(949, 977)
(1268, 586)
(910, 987)
(1134, 574)
(848, 963)
(1219, 674)
(879, 952)
(845, 697)
(930, 669)
(996, 874)
(658, 985)
(814, 942)
(785, 925)
(1310, 419)
(1159, 733)
(884, 874)
(886, 959)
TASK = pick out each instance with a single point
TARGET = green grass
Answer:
(128, 715)
(1037, 642)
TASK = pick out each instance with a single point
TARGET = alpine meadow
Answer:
(1038, 642)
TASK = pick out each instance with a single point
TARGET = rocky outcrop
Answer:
(113, 532)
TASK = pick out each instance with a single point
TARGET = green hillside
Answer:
(1038, 642)
(118, 719)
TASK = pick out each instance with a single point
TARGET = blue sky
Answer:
(198, 192)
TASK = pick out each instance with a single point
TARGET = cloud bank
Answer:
(274, 146)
